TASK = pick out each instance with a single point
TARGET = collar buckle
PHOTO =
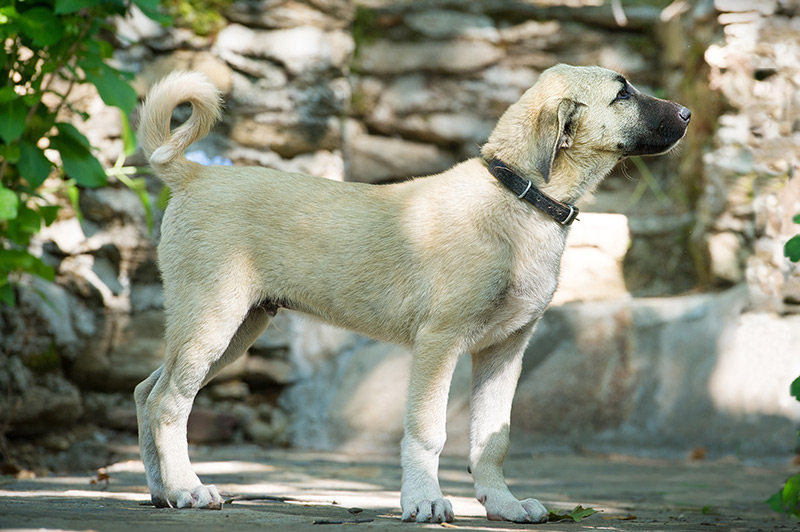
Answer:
(571, 217)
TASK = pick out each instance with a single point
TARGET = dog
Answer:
(465, 261)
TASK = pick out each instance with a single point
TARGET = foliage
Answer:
(792, 248)
(49, 46)
(578, 513)
(787, 499)
(203, 17)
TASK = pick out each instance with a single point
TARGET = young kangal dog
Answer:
(465, 261)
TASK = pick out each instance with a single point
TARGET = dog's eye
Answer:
(623, 94)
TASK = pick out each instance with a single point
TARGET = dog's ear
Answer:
(555, 130)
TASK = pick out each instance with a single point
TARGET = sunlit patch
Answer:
(76, 494)
(232, 467)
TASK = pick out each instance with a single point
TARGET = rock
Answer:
(299, 49)
(441, 128)
(50, 402)
(356, 401)
(288, 14)
(276, 337)
(444, 24)
(216, 70)
(261, 94)
(113, 410)
(131, 348)
(766, 7)
(145, 297)
(136, 27)
(453, 57)
(53, 306)
(261, 372)
(207, 425)
(638, 367)
(724, 250)
(374, 159)
(233, 389)
(67, 235)
(112, 203)
(531, 31)
(286, 133)
(591, 268)
(755, 367)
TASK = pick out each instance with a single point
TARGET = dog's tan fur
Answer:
(448, 264)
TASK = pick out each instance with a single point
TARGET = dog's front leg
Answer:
(431, 371)
(495, 372)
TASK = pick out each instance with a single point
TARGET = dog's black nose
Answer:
(684, 113)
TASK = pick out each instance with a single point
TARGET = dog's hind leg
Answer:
(197, 348)
(495, 372)
(146, 444)
(432, 368)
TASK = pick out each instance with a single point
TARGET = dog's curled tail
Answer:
(165, 151)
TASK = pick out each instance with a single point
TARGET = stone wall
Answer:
(377, 91)
(752, 174)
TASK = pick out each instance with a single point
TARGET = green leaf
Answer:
(163, 198)
(7, 94)
(7, 296)
(72, 133)
(9, 204)
(150, 8)
(19, 260)
(10, 152)
(796, 219)
(12, 120)
(114, 90)
(128, 135)
(792, 249)
(49, 213)
(790, 497)
(74, 195)
(28, 220)
(71, 6)
(774, 501)
(577, 514)
(79, 163)
(794, 389)
(41, 25)
(33, 165)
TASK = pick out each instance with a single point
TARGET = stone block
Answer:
(217, 71)
(287, 134)
(591, 267)
(50, 401)
(375, 159)
(261, 372)
(207, 425)
(442, 24)
(328, 15)
(453, 57)
(299, 49)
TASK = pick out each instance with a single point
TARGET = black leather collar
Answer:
(563, 213)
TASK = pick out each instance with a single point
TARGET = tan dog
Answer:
(448, 264)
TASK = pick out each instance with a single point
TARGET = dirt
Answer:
(324, 491)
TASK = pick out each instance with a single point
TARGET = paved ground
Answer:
(326, 492)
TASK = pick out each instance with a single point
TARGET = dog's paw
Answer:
(429, 511)
(202, 496)
(505, 507)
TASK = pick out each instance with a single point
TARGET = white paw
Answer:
(199, 497)
(428, 511)
(502, 506)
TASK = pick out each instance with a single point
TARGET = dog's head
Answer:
(575, 123)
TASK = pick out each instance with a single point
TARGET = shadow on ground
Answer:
(313, 491)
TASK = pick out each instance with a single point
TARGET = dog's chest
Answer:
(534, 279)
